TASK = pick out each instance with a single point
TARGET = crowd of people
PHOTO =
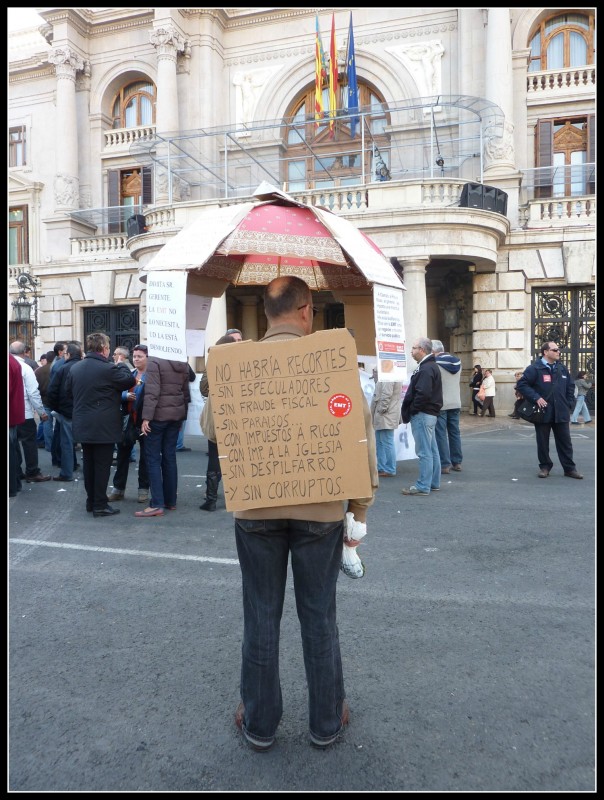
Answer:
(101, 403)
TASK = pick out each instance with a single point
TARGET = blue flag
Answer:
(351, 75)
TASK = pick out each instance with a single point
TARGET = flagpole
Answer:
(352, 87)
(333, 78)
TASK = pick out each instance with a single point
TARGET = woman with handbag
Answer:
(488, 386)
(475, 386)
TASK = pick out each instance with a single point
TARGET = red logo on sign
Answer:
(340, 405)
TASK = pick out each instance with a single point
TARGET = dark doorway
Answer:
(120, 323)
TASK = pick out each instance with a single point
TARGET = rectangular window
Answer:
(16, 146)
(17, 235)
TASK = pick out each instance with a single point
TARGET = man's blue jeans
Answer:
(67, 453)
(160, 453)
(48, 430)
(448, 437)
(423, 428)
(263, 547)
(386, 454)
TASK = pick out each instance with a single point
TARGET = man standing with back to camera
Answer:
(448, 435)
(313, 533)
(548, 383)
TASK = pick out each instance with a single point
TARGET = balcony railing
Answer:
(557, 80)
(122, 138)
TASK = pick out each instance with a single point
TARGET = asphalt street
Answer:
(468, 647)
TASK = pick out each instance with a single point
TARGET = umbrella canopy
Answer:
(252, 243)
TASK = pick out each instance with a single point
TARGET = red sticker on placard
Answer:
(340, 405)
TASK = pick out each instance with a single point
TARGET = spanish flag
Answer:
(333, 79)
(320, 76)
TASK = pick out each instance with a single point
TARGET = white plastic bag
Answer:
(353, 529)
(351, 563)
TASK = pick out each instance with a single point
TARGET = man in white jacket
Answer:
(26, 431)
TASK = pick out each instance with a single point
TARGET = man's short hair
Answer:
(544, 347)
(437, 346)
(122, 351)
(96, 342)
(17, 348)
(58, 348)
(284, 295)
(425, 344)
(74, 350)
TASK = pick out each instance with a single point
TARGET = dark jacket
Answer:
(43, 378)
(476, 381)
(57, 392)
(425, 392)
(95, 386)
(167, 394)
(557, 388)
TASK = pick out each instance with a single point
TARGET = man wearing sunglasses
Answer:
(548, 383)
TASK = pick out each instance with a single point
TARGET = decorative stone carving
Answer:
(66, 189)
(499, 149)
(423, 60)
(168, 41)
(249, 85)
(67, 62)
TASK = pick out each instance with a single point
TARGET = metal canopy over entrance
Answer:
(427, 138)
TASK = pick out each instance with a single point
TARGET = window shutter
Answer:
(113, 199)
(591, 154)
(147, 186)
(544, 157)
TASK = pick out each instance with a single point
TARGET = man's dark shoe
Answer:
(445, 470)
(183, 449)
(456, 467)
(259, 745)
(543, 473)
(89, 508)
(106, 512)
(61, 478)
(330, 740)
(39, 478)
(573, 474)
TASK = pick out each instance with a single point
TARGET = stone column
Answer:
(499, 144)
(168, 42)
(249, 317)
(217, 321)
(66, 182)
(415, 307)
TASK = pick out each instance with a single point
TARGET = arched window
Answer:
(564, 40)
(134, 105)
(315, 160)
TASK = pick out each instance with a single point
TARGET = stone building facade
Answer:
(471, 165)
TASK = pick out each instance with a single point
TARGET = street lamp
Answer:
(22, 305)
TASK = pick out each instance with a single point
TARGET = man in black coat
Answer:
(421, 406)
(548, 383)
(95, 386)
(62, 406)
